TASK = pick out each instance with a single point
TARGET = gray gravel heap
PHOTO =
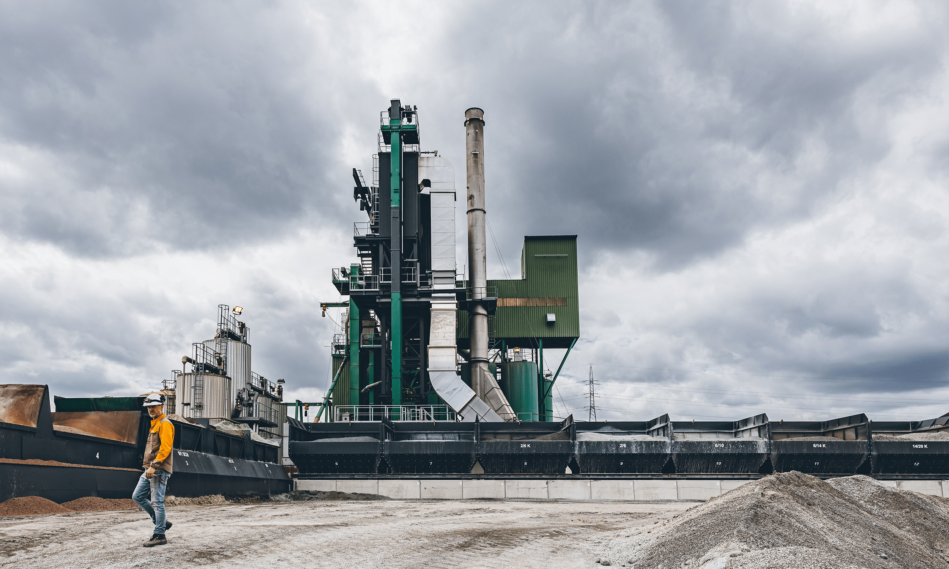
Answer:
(794, 520)
(349, 440)
(936, 436)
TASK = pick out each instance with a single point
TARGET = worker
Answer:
(157, 465)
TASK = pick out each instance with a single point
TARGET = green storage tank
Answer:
(519, 384)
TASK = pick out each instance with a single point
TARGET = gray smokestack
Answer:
(483, 383)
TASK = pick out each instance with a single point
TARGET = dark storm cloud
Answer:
(671, 137)
(677, 128)
(185, 125)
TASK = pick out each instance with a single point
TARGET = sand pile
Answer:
(72, 430)
(915, 437)
(794, 520)
(91, 504)
(349, 440)
(809, 439)
(31, 506)
(616, 437)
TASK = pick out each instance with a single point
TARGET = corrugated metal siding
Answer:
(549, 265)
(341, 391)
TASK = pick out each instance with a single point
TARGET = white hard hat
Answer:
(154, 400)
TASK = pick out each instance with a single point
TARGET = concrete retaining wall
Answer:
(571, 490)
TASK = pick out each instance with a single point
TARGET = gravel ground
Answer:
(320, 533)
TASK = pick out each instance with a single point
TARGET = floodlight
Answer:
(238, 309)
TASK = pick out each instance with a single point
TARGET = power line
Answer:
(851, 378)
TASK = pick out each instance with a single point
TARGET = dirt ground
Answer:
(468, 534)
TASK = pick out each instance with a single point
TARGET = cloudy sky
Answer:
(759, 188)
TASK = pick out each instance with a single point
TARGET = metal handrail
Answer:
(362, 228)
(481, 293)
(339, 343)
(404, 413)
(368, 282)
(410, 274)
(370, 340)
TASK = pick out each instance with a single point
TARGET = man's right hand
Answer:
(149, 473)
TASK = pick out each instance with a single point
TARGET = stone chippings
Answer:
(794, 520)
(914, 437)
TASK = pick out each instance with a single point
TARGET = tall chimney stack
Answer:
(483, 383)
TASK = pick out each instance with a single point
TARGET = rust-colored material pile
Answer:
(92, 504)
(36, 506)
(31, 506)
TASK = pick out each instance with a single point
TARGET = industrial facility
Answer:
(440, 371)
(221, 385)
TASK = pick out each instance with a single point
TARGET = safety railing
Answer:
(370, 340)
(340, 275)
(362, 228)
(410, 273)
(481, 293)
(406, 413)
(368, 282)
(339, 343)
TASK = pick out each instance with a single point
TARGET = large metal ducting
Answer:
(205, 395)
(484, 383)
(442, 347)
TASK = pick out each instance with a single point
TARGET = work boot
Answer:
(157, 539)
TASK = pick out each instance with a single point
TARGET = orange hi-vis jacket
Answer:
(158, 454)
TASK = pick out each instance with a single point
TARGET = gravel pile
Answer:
(91, 504)
(616, 437)
(72, 430)
(213, 500)
(31, 506)
(794, 520)
(817, 439)
(937, 436)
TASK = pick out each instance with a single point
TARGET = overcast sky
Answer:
(759, 188)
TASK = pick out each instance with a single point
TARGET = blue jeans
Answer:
(155, 488)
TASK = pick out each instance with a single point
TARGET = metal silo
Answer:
(237, 366)
(204, 395)
(519, 384)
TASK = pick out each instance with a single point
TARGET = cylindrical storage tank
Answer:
(519, 384)
(238, 364)
(216, 396)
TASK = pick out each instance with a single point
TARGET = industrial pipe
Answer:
(484, 384)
